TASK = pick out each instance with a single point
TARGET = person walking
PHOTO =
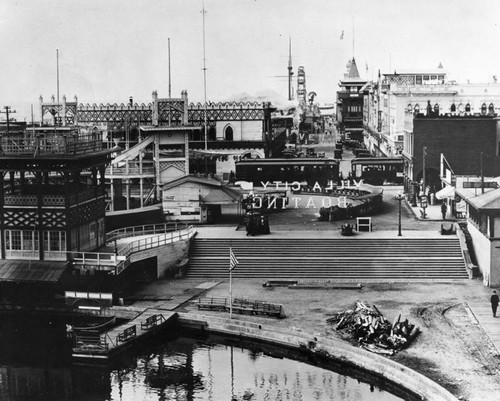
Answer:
(444, 209)
(494, 303)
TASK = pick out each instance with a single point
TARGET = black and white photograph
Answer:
(259, 200)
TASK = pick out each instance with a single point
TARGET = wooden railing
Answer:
(149, 229)
(50, 143)
(243, 306)
(152, 321)
(117, 262)
(130, 170)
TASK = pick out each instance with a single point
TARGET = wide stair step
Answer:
(337, 259)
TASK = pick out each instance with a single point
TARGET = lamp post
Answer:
(399, 198)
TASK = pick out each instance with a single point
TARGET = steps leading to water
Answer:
(337, 259)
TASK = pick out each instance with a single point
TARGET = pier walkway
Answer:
(152, 314)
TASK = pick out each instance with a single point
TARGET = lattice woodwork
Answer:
(170, 112)
(180, 165)
(53, 219)
(86, 212)
(20, 218)
(114, 114)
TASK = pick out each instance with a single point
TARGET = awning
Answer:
(448, 192)
(31, 271)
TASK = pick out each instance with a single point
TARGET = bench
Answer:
(279, 283)
(151, 322)
(213, 303)
(258, 308)
(127, 334)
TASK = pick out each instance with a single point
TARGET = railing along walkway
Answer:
(154, 237)
(101, 345)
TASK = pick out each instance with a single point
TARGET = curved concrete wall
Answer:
(394, 372)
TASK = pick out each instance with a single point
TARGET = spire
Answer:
(290, 72)
(353, 69)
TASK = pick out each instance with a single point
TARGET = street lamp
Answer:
(399, 197)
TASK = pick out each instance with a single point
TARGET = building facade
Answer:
(350, 101)
(167, 139)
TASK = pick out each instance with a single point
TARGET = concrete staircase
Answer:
(336, 259)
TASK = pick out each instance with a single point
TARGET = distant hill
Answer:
(267, 95)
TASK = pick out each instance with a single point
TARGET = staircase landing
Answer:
(325, 255)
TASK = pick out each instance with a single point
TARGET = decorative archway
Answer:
(252, 154)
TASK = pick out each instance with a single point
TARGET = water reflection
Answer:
(187, 370)
(36, 364)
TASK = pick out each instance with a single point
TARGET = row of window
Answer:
(453, 108)
(20, 240)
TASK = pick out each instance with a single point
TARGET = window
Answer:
(417, 109)
(21, 244)
(419, 79)
(453, 108)
(211, 134)
(54, 241)
(467, 108)
(28, 240)
(228, 133)
(92, 231)
(436, 108)
(483, 109)
(15, 240)
(491, 108)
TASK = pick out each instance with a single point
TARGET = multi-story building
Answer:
(350, 103)
(387, 100)
(52, 202)
(470, 144)
(407, 111)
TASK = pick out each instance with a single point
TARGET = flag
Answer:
(233, 261)
(342, 34)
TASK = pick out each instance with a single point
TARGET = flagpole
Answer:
(233, 262)
(230, 294)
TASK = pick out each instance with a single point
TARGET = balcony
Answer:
(52, 200)
(131, 169)
(50, 144)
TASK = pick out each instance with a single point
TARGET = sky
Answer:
(110, 50)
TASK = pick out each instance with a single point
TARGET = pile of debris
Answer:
(373, 331)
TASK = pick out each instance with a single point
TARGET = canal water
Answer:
(36, 364)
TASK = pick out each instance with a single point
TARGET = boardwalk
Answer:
(145, 324)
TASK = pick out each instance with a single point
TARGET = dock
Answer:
(93, 343)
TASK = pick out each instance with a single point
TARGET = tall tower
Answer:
(301, 85)
(290, 72)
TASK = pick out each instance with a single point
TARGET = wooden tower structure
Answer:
(52, 197)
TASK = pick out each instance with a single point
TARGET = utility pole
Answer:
(7, 112)
(482, 175)
(423, 168)
(203, 12)
(290, 68)
(57, 61)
